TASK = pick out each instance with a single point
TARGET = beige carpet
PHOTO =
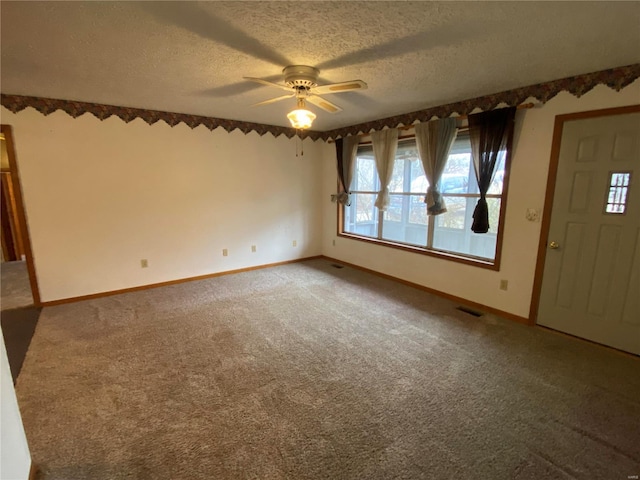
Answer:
(14, 285)
(306, 371)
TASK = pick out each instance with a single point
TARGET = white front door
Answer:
(591, 280)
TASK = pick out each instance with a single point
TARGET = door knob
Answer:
(554, 245)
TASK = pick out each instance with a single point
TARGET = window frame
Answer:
(434, 252)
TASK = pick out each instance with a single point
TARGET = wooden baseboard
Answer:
(463, 301)
(170, 282)
(33, 471)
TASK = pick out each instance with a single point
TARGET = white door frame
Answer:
(551, 185)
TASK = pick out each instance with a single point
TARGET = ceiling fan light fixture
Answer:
(301, 81)
(301, 118)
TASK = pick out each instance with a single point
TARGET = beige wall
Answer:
(534, 129)
(15, 459)
(102, 195)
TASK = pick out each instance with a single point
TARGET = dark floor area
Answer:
(18, 326)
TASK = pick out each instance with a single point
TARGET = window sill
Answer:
(467, 260)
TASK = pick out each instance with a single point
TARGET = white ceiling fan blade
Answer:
(323, 104)
(340, 87)
(273, 100)
(268, 83)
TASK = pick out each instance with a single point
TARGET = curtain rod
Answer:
(522, 106)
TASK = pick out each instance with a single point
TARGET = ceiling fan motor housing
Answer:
(300, 76)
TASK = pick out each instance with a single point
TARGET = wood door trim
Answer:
(7, 131)
(550, 191)
(12, 209)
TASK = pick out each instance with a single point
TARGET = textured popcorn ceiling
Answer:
(190, 57)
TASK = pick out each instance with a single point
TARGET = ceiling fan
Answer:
(301, 81)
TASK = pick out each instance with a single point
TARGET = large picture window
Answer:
(405, 221)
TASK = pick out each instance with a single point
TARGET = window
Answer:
(618, 189)
(406, 223)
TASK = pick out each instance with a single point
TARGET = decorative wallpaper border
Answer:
(615, 78)
(46, 106)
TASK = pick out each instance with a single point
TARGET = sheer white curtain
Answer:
(385, 144)
(434, 141)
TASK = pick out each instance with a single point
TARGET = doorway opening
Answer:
(20, 298)
(19, 282)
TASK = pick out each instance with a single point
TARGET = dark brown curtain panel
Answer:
(346, 151)
(342, 189)
(491, 133)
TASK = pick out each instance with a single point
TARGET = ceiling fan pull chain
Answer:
(299, 136)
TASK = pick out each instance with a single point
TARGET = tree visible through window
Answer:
(406, 222)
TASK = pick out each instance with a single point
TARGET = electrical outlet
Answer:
(334, 243)
(253, 248)
(144, 263)
(295, 243)
(504, 284)
(225, 252)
